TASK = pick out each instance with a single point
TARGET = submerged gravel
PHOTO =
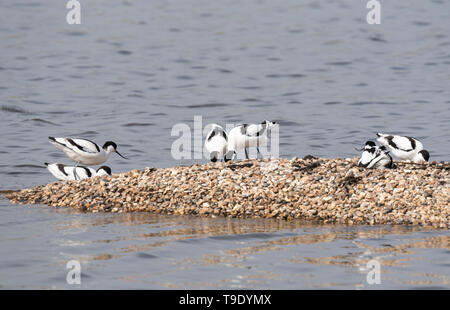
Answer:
(317, 189)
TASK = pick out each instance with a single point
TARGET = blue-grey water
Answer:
(134, 69)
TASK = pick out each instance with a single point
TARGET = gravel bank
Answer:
(317, 189)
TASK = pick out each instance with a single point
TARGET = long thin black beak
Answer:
(121, 155)
(359, 149)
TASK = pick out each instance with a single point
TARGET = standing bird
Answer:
(83, 151)
(216, 143)
(63, 172)
(405, 148)
(249, 135)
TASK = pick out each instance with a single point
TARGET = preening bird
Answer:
(374, 156)
(368, 153)
(382, 159)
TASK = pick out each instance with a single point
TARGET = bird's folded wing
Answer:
(254, 130)
(84, 145)
(366, 158)
(403, 143)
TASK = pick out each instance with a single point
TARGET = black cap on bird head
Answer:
(425, 154)
(106, 169)
(114, 146)
(367, 146)
(109, 143)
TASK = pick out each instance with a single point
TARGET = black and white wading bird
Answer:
(382, 159)
(63, 172)
(374, 156)
(85, 152)
(216, 143)
(369, 150)
(404, 148)
(249, 135)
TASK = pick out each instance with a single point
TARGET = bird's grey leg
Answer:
(246, 153)
(75, 171)
(257, 148)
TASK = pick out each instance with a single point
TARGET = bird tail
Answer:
(52, 138)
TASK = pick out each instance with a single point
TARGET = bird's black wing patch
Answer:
(211, 135)
(88, 172)
(61, 168)
(224, 134)
(391, 142)
(76, 145)
(54, 140)
(413, 142)
(96, 146)
(394, 145)
(217, 131)
(82, 148)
